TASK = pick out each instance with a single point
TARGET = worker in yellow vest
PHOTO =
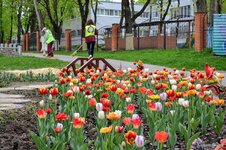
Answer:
(90, 37)
(48, 39)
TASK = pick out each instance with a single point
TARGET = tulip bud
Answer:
(180, 101)
(158, 106)
(174, 87)
(146, 69)
(119, 129)
(123, 144)
(170, 76)
(118, 112)
(177, 72)
(99, 106)
(163, 96)
(198, 86)
(173, 82)
(42, 103)
(135, 116)
(71, 84)
(128, 99)
(172, 112)
(88, 81)
(101, 114)
(76, 115)
(152, 82)
(50, 97)
(139, 141)
(185, 104)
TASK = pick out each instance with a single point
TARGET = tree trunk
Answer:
(94, 9)
(122, 15)
(163, 15)
(33, 21)
(201, 6)
(19, 23)
(177, 28)
(212, 11)
(127, 12)
(1, 30)
(84, 11)
(39, 17)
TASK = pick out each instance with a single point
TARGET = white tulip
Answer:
(174, 87)
(101, 114)
(181, 100)
(99, 106)
(76, 115)
(198, 86)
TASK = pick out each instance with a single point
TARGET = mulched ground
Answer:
(14, 126)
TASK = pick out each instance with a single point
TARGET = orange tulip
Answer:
(106, 130)
(113, 116)
(130, 137)
(126, 121)
(161, 136)
(43, 90)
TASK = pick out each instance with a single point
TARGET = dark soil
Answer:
(15, 126)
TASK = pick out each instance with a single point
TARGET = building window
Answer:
(107, 12)
(116, 13)
(111, 12)
(102, 12)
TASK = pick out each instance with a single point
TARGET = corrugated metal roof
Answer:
(219, 34)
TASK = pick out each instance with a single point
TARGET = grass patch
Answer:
(179, 58)
(26, 62)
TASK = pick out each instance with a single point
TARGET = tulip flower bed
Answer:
(130, 109)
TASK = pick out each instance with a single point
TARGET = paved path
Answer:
(114, 63)
(14, 101)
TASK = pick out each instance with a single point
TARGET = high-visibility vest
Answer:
(90, 30)
(50, 37)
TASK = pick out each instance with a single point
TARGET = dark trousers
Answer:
(50, 50)
(90, 47)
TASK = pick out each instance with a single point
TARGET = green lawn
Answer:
(170, 58)
(26, 62)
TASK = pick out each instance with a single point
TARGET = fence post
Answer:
(68, 39)
(114, 37)
(24, 42)
(199, 31)
(164, 35)
(189, 34)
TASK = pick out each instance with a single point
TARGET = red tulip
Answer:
(41, 113)
(92, 102)
(130, 108)
(53, 91)
(61, 116)
(161, 136)
(209, 71)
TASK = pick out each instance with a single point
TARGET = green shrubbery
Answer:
(7, 78)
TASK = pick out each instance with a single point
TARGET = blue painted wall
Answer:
(219, 34)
